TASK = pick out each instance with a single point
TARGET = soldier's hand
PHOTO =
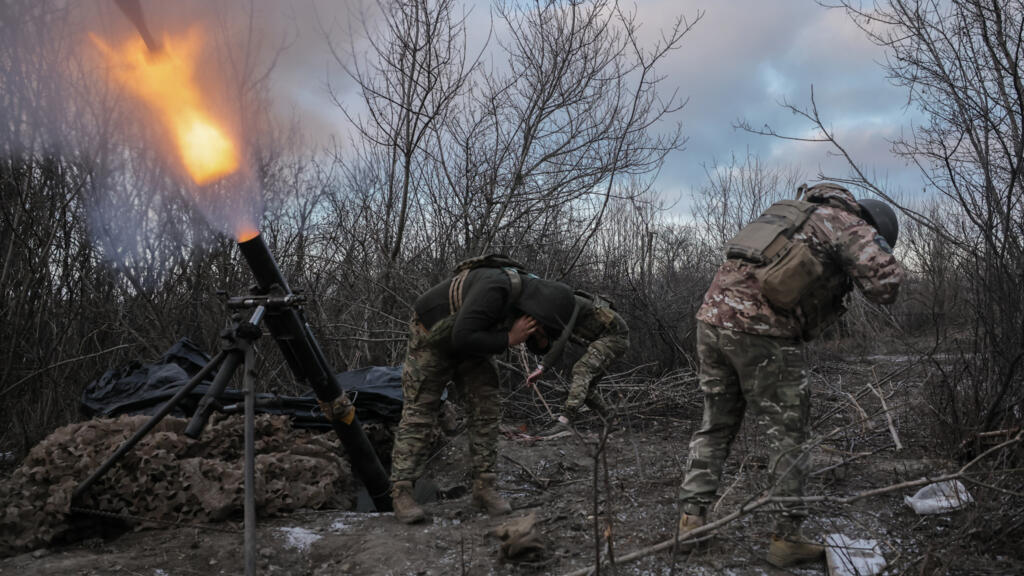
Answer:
(521, 330)
(534, 376)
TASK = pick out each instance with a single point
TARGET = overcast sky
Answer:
(739, 62)
(746, 56)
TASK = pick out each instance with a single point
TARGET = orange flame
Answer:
(246, 233)
(165, 82)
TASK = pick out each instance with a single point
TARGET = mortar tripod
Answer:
(236, 350)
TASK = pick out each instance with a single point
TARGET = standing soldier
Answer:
(596, 326)
(458, 325)
(785, 279)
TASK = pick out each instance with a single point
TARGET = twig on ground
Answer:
(888, 415)
(542, 482)
(609, 512)
(835, 410)
(705, 531)
(739, 476)
(845, 461)
(542, 400)
(865, 420)
(967, 478)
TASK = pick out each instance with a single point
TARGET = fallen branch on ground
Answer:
(696, 534)
(542, 482)
(888, 415)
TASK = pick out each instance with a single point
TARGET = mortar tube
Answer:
(308, 364)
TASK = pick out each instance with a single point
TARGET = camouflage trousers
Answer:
(591, 367)
(430, 364)
(767, 375)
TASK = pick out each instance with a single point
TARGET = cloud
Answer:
(746, 57)
(739, 62)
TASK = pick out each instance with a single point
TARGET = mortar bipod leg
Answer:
(210, 400)
(249, 390)
(148, 426)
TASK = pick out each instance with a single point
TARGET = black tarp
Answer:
(143, 388)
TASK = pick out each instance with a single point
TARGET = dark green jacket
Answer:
(487, 312)
(481, 326)
(587, 326)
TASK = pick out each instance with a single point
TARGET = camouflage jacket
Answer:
(593, 321)
(845, 245)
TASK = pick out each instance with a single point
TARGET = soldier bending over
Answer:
(605, 335)
(784, 280)
(458, 325)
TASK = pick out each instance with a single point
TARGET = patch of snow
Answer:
(299, 538)
(851, 557)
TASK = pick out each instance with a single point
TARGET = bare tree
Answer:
(960, 62)
(545, 139)
(739, 192)
(415, 68)
(656, 270)
(549, 154)
(103, 255)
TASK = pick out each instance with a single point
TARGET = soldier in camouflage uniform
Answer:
(458, 325)
(750, 348)
(597, 327)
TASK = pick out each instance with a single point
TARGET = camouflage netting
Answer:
(169, 476)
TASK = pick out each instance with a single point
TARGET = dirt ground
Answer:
(554, 479)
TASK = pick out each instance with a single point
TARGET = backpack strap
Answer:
(515, 284)
(554, 353)
(455, 289)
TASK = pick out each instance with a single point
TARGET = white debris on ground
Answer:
(852, 557)
(298, 538)
(346, 521)
(939, 497)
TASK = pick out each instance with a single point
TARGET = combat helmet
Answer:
(549, 302)
(882, 217)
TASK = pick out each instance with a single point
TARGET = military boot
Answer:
(486, 497)
(406, 508)
(693, 517)
(689, 522)
(784, 552)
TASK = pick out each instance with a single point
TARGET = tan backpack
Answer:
(787, 270)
